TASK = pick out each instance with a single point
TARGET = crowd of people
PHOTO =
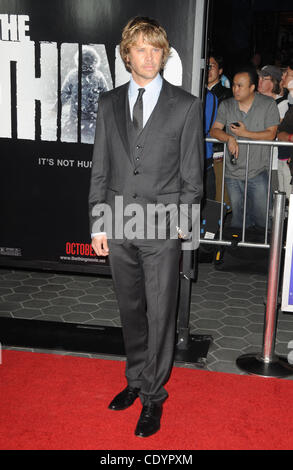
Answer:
(256, 106)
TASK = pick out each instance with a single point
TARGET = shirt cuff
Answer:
(93, 235)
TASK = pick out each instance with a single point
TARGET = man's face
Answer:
(145, 61)
(214, 72)
(288, 79)
(242, 89)
(265, 85)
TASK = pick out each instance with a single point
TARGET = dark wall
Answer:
(240, 28)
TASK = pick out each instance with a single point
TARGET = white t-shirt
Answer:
(282, 107)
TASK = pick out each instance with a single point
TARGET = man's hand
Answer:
(233, 146)
(100, 245)
(217, 132)
(239, 130)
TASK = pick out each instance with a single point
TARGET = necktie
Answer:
(137, 114)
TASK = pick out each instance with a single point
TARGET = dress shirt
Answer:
(149, 98)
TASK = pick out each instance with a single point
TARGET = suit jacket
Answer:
(163, 164)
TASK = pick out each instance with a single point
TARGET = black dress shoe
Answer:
(149, 420)
(124, 399)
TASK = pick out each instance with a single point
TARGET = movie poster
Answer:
(57, 58)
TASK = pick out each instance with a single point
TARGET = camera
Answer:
(233, 159)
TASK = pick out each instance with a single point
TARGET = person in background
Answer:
(215, 86)
(215, 68)
(211, 108)
(225, 81)
(285, 134)
(248, 115)
(269, 84)
(283, 91)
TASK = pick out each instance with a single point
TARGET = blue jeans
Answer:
(256, 205)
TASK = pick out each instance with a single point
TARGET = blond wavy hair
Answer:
(152, 33)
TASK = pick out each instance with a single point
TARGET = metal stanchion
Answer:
(189, 348)
(266, 363)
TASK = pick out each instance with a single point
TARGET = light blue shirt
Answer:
(149, 98)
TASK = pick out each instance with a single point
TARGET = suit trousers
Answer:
(146, 279)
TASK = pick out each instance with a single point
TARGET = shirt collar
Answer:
(211, 87)
(154, 86)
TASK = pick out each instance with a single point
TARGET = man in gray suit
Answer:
(148, 150)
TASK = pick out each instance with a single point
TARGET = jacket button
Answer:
(134, 196)
(136, 172)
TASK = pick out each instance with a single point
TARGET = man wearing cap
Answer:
(269, 81)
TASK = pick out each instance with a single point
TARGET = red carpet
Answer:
(60, 402)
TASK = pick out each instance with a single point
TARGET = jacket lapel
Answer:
(120, 105)
(162, 110)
